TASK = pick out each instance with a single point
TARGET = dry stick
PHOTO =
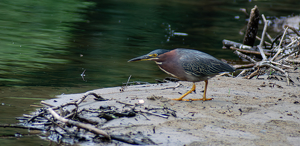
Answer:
(248, 51)
(292, 28)
(32, 118)
(145, 116)
(178, 85)
(128, 80)
(263, 38)
(69, 115)
(274, 42)
(228, 43)
(79, 124)
(279, 50)
(244, 71)
(128, 104)
(244, 66)
(87, 94)
(294, 41)
(285, 30)
(47, 104)
(77, 102)
(60, 126)
(76, 111)
(253, 74)
(244, 56)
(265, 41)
(276, 63)
(155, 114)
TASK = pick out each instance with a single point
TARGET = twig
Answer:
(244, 71)
(279, 50)
(128, 104)
(244, 56)
(253, 74)
(145, 116)
(249, 52)
(178, 85)
(292, 28)
(280, 64)
(69, 115)
(82, 75)
(128, 80)
(39, 115)
(76, 111)
(228, 43)
(257, 37)
(274, 42)
(244, 66)
(263, 38)
(60, 126)
(294, 41)
(159, 115)
(77, 102)
(47, 104)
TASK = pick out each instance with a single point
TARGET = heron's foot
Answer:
(178, 99)
(192, 99)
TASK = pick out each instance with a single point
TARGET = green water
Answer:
(46, 45)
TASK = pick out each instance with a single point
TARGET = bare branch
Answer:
(263, 38)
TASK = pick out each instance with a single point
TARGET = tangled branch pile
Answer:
(71, 122)
(276, 57)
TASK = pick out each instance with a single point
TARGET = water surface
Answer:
(46, 45)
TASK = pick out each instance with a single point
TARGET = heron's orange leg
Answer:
(185, 94)
(193, 89)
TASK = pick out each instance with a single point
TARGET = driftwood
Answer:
(276, 57)
(248, 51)
(252, 27)
(227, 44)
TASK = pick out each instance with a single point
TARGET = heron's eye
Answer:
(153, 55)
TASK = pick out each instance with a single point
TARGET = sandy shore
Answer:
(243, 112)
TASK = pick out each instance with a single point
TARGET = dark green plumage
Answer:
(201, 65)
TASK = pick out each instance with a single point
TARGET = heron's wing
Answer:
(202, 64)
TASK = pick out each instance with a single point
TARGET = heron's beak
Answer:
(141, 58)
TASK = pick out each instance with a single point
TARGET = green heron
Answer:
(187, 65)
